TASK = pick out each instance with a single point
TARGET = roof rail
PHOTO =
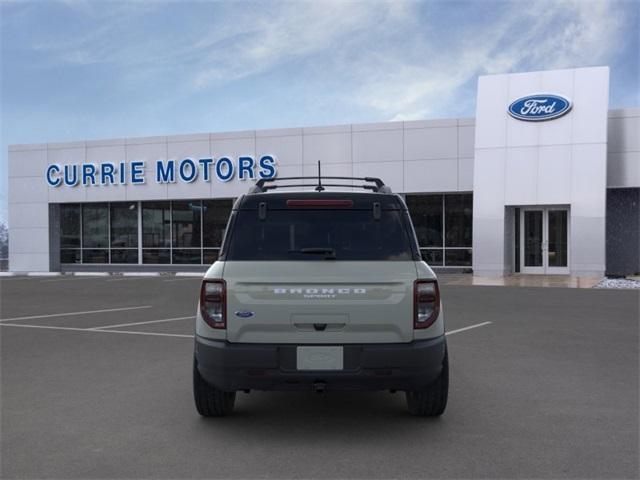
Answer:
(261, 187)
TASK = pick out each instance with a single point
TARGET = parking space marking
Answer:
(144, 323)
(468, 328)
(73, 279)
(68, 314)
(182, 279)
(109, 329)
(75, 329)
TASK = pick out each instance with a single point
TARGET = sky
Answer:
(79, 70)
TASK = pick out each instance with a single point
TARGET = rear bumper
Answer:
(398, 366)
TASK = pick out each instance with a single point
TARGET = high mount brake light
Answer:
(335, 203)
(426, 303)
(213, 303)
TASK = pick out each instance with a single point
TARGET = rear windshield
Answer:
(320, 235)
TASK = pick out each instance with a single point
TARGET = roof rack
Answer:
(261, 187)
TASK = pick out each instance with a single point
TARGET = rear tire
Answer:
(211, 402)
(432, 401)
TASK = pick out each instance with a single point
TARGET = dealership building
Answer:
(544, 180)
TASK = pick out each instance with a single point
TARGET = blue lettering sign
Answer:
(188, 175)
(537, 108)
(137, 173)
(245, 165)
(165, 174)
(220, 171)
(267, 167)
(51, 180)
(206, 168)
(106, 172)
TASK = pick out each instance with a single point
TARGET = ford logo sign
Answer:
(244, 314)
(536, 108)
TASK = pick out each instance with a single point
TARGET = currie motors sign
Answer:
(187, 170)
(540, 107)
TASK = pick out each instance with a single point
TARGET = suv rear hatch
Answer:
(310, 268)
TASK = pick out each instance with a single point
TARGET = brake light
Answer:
(426, 296)
(331, 203)
(213, 303)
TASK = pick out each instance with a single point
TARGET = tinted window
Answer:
(303, 235)
(95, 226)
(124, 225)
(458, 220)
(156, 224)
(426, 213)
(215, 215)
(70, 226)
(186, 224)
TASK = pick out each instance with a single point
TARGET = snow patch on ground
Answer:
(618, 283)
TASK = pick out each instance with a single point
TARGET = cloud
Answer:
(397, 59)
(526, 36)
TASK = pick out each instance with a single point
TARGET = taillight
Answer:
(426, 296)
(213, 303)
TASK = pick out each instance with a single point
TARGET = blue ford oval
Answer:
(244, 314)
(536, 108)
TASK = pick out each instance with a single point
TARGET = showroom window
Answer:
(179, 232)
(70, 237)
(124, 232)
(443, 224)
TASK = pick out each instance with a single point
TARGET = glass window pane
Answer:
(186, 255)
(156, 225)
(69, 225)
(70, 256)
(124, 256)
(155, 256)
(433, 256)
(533, 238)
(348, 234)
(186, 223)
(210, 255)
(124, 225)
(458, 214)
(426, 215)
(95, 256)
(215, 215)
(95, 225)
(458, 257)
(557, 238)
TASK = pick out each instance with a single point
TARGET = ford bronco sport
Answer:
(320, 290)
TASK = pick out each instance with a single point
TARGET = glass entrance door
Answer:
(533, 239)
(544, 235)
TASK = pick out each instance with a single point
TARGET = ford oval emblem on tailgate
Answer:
(244, 314)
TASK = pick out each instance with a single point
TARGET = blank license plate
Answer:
(320, 358)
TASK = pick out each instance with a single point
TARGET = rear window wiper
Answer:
(330, 253)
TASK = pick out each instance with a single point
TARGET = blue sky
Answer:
(75, 70)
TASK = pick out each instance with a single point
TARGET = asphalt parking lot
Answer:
(96, 383)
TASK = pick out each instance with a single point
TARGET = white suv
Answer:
(320, 290)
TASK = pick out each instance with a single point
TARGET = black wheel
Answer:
(211, 402)
(432, 401)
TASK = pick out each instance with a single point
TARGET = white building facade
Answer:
(545, 179)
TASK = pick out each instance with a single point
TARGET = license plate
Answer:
(320, 358)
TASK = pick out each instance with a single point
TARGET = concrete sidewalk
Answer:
(518, 280)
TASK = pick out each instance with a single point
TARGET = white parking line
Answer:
(467, 328)
(144, 323)
(68, 314)
(73, 279)
(123, 279)
(49, 327)
(182, 279)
